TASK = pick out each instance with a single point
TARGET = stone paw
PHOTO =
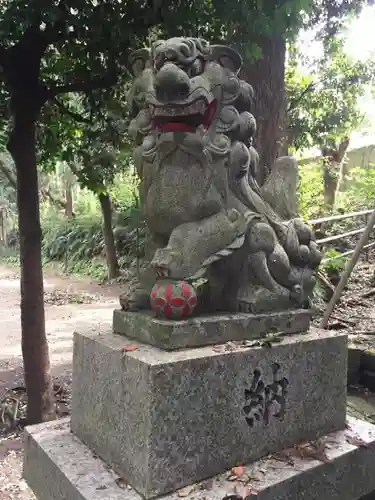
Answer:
(162, 271)
(297, 294)
(135, 300)
(245, 307)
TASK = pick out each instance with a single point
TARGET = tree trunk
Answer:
(68, 184)
(69, 202)
(332, 163)
(267, 76)
(35, 353)
(109, 239)
(330, 183)
(344, 169)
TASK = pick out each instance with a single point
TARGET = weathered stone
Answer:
(166, 419)
(280, 188)
(59, 467)
(354, 365)
(206, 215)
(368, 360)
(207, 330)
(367, 379)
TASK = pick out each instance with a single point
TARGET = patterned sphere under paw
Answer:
(173, 300)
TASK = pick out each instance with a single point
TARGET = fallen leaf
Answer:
(356, 441)
(241, 491)
(257, 476)
(243, 479)
(121, 483)
(231, 477)
(129, 348)
(283, 456)
(252, 492)
(184, 492)
(208, 484)
(218, 348)
(315, 450)
(238, 471)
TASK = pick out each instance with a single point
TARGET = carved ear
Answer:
(226, 57)
(138, 60)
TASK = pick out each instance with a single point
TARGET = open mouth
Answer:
(183, 118)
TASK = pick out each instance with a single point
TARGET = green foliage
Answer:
(336, 262)
(78, 243)
(324, 101)
(62, 239)
(244, 21)
(310, 191)
(360, 193)
(87, 204)
(124, 192)
(7, 184)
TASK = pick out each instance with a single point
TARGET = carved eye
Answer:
(197, 67)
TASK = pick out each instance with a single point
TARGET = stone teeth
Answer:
(194, 108)
(197, 107)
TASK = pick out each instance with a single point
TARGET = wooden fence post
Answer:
(348, 270)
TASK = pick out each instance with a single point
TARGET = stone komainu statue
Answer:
(207, 214)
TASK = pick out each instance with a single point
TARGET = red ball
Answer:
(173, 300)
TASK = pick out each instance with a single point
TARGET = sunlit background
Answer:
(360, 44)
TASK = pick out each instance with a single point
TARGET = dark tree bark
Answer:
(109, 239)
(34, 342)
(267, 76)
(21, 71)
(344, 170)
(68, 185)
(69, 202)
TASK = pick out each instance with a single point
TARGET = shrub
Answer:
(78, 243)
(310, 191)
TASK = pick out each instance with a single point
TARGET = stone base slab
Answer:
(207, 330)
(60, 467)
(166, 419)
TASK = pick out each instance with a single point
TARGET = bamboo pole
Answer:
(348, 270)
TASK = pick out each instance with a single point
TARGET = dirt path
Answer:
(65, 313)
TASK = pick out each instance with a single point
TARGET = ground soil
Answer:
(80, 304)
(71, 304)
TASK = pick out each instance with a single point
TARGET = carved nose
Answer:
(171, 83)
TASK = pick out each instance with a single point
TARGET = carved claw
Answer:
(297, 294)
(135, 300)
(162, 272)
(245, 307)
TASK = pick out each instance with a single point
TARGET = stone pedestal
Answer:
(208, 330)
(58, 466)
(148, 421)
(164, 420)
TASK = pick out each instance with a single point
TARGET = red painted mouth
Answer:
(184, 118)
